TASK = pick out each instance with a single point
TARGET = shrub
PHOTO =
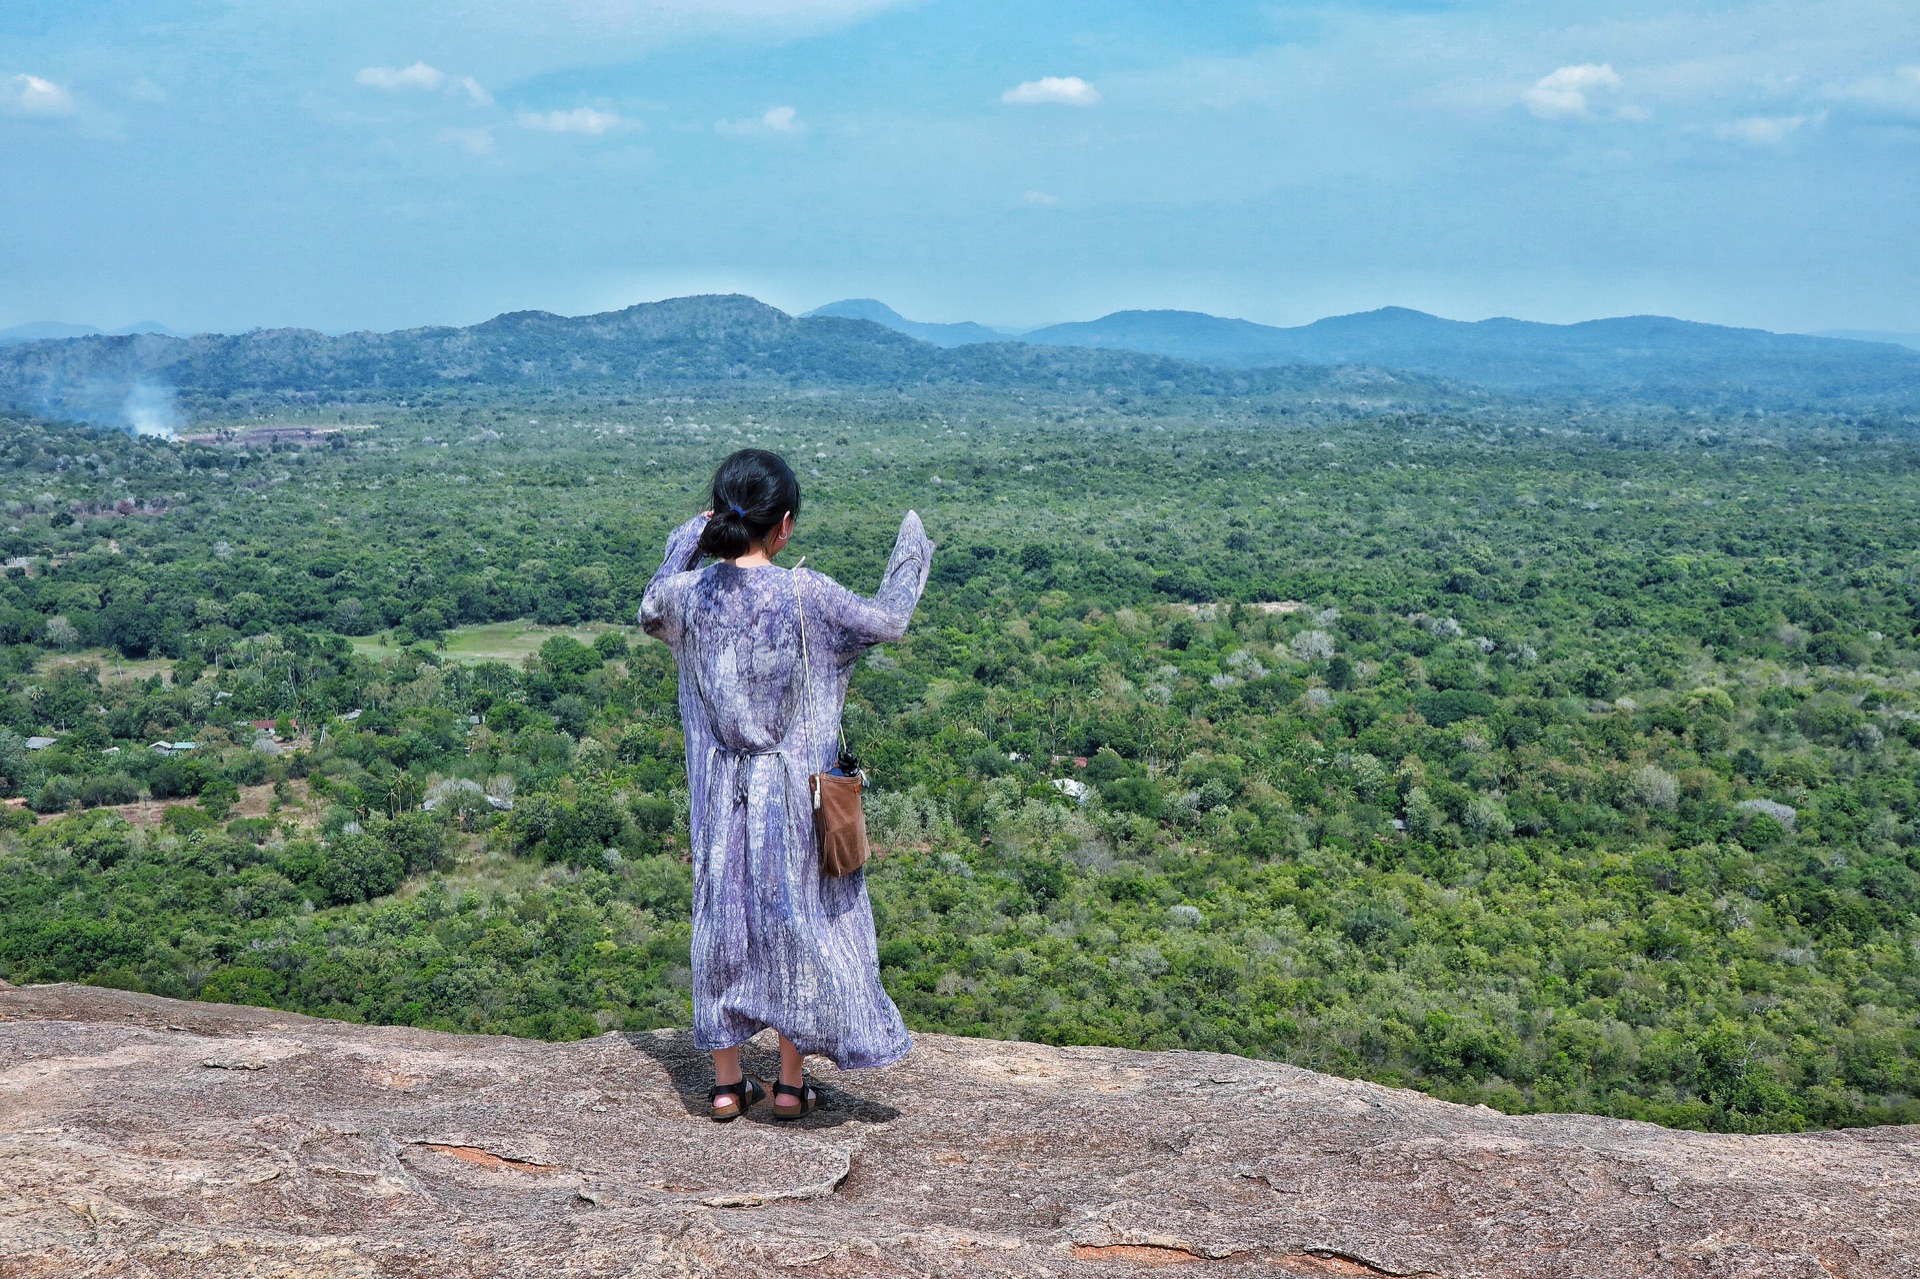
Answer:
(168, 781)
(419, 840)
(1655, 788)
(254, 830)
(564, 656)
(185, 819)
(1836, 650)
(1312, 646)
(55, 794)
(1044, 878)
(218, 797)
(1488, 819)
(14, 764)
(109, 788)
(572, 713)
(357, 868)
(561, 830)
(1106, 766)
(1374, 925)
(1453, 705)
(249, 769)
(1827, 719)
(651, 813)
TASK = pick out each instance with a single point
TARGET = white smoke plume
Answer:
(150, 410)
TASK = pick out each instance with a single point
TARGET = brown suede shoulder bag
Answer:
(838, 819)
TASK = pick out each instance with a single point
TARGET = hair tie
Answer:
(737, 511)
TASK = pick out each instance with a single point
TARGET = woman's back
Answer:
(776, 942)
(742, 644)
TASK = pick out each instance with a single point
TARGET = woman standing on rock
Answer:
(764, 658)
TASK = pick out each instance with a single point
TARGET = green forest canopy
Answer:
(1576, 772)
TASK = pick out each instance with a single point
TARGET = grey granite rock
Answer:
(141, 1136)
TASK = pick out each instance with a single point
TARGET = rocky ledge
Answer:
(141, 1136)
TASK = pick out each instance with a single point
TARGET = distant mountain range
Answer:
(712, 342)
(962, 334)
(53, 330)
(1636, 357)
(734, 341)
(1872, 335)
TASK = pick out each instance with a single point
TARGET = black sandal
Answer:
(745, 1093)
(808, 1100)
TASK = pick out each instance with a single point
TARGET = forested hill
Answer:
(732, 341)
(683, 343)
(1645, 357)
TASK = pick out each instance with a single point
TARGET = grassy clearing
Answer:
(112, 665)
(499, 641)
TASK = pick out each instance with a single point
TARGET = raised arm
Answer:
(659, 607)
(854, 622)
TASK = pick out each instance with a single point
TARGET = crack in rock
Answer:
(1346, 1263)
(1319, 1261)
(480, 1158)
(1151, 1255)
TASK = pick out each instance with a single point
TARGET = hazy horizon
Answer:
(1010, 332)
(339, 165)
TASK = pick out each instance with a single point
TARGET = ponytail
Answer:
(752, 492)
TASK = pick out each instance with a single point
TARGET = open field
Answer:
(112, 665)
(508, 642)
(254, 801)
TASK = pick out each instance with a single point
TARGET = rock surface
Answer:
(142, 1136)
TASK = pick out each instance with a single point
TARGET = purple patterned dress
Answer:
(776, 943)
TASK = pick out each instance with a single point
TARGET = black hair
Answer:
(752, 492)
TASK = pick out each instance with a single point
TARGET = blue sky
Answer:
(339, 164)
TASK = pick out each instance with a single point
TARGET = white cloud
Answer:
(1565, 92)
(31, 95)
(1763, 130)
(394, 79)
(1069, 91)
(1039, 197)
(775, 120)
(422, 76)
(1900, 92)
(578, 120)
(472, 141)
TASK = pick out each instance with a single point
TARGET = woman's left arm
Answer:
(659, 612)
(859, 622)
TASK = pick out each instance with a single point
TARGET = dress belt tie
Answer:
(744, 756)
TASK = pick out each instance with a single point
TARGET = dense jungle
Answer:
(1545, 757)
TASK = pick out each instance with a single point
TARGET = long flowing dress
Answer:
(775, 942)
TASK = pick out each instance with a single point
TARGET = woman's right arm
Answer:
(659, 607)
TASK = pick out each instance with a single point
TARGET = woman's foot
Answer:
(728, 1102)
(792, 1101)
